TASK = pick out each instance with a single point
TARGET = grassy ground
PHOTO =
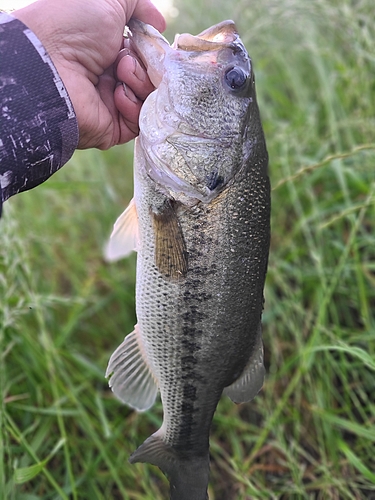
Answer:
(310, 433)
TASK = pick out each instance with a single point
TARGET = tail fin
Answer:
(188, 477)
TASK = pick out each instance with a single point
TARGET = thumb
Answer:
(147, 12)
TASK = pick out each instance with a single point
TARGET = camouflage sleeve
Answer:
(38, 127)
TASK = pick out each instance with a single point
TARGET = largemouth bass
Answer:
(200, 222)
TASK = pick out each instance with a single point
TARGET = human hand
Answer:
(84, 39)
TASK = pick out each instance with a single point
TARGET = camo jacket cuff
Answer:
(38, 126)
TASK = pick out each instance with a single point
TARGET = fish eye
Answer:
(235, 78)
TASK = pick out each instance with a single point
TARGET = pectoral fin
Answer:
(130, 376)
(250, 382)
(124, 237)
(170, 249)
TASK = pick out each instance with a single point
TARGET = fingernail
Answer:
(139, 71)
(134, 64)
(129, 93)
(126, 43)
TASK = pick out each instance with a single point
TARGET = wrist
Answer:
(41, 23)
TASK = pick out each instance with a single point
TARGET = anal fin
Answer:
(250, 382)
(130, 377)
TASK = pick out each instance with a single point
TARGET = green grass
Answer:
(310, 433)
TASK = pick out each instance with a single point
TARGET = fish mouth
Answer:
(152, 47)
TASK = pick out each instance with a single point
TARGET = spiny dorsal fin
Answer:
(124, 237)
(170, 249)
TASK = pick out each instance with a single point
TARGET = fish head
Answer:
(199, 127)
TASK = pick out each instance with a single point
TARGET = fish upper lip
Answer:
(214, 38)
(151, 46)
(222, 35)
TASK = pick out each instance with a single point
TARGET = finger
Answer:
(129, 107)
(107, 130)
(119, 112)
(147, 12)
(130, 71)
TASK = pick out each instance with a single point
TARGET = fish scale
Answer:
(202, 251)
